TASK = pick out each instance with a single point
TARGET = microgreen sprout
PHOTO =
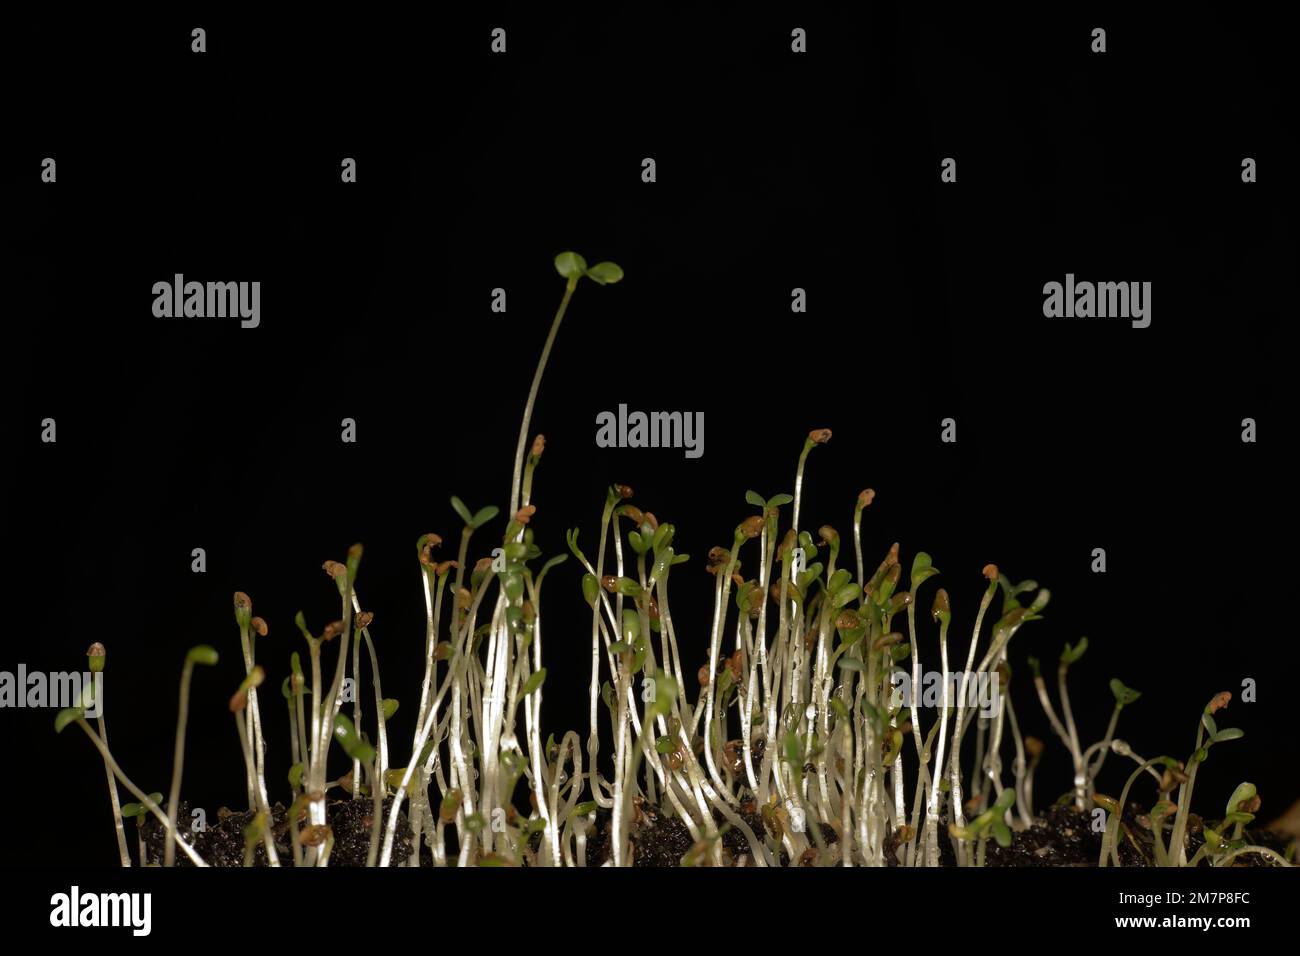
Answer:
(1220, 847)
(1208, 733)
(137, 812)
(96, 658)
(572, 267)
(207, 656)
(1087, 762)
(241, 701)
(989, 823)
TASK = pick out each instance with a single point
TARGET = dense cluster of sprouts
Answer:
(798, 737)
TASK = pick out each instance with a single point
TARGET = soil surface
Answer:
(1062, 836)
(222, 842)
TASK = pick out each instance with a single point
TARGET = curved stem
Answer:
(178, 757)
(569, 286)
(137, 792)
(1110, 839)
(1263, 851)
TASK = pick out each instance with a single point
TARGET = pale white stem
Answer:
(932, 807)
(116, 803)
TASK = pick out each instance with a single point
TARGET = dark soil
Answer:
(222, 842)
(1062, 836)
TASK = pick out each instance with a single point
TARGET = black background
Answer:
(774, 171)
